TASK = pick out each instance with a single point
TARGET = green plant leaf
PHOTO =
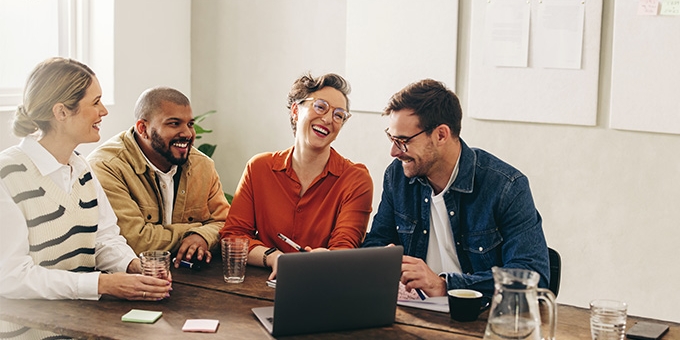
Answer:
(202, 116)
(207, 149)
(200, 130)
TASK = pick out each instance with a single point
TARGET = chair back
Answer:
(555, 270)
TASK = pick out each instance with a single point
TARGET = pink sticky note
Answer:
(201, 325)
(648, 7)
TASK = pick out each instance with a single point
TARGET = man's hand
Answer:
(135, 266)
(416, 274)
(193, 244)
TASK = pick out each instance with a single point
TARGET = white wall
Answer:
(607, 197)
(245, 56)
(151, 47)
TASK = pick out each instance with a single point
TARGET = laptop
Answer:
(333, 291)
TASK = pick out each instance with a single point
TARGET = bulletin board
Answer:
(392, 43)
(645, 71)
(534, 93)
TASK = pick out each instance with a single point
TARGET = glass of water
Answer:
(234, 258)
(156, 263)
(608, 319)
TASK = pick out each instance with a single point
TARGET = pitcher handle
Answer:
(549, 298)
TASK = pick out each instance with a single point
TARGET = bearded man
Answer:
(458, 211)
(166, 194)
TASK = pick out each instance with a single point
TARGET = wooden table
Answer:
(204, 295)
(572, 322)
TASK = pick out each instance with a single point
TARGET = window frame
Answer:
(73, 23)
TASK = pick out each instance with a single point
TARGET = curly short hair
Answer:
(307, 84)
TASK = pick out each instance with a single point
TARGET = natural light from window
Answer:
(34, 30)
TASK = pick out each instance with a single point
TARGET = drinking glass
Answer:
(608, 319)
(155, 263)
(234, 258)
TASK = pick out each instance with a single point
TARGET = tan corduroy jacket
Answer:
(131, 186)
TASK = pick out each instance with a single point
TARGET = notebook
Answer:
(333, 291)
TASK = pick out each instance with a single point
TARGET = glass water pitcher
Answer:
(514, 312)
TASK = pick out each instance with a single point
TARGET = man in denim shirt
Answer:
(457, 211)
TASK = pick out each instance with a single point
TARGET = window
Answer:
(31, 31)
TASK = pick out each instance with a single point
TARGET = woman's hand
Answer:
(310, 250)
(134, 286)
(275, 264)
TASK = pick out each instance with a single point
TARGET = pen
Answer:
(291, 243)
(187, 264)
(421, 294)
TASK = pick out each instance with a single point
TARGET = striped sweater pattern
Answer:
(61, 226)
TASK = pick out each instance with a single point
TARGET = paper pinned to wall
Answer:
(506, 33)
(560, 33)
(648, 7)
(670, 7)
(535, 93)
(645, 72)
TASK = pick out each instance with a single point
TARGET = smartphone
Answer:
(647, 331)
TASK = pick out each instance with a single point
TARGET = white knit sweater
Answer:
(62, 226)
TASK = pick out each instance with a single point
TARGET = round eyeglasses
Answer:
(400, 142)
(321, 107)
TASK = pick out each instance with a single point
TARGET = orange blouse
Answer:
(333, 213)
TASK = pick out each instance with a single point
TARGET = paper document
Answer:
(412, 299)
(437, 303)
(506, 33)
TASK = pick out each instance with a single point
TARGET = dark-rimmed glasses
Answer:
(321, 107)
(400, 142)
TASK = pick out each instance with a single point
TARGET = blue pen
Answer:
(421, 294)
(187, 264)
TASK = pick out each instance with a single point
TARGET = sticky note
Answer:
(670, 7)
(201, 325)
(141, 316)
(648, 7)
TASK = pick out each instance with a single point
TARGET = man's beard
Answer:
(164, 150)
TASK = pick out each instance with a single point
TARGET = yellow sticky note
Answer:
(670, 7)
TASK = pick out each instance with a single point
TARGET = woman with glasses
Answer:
(59, 234)
(308, 193)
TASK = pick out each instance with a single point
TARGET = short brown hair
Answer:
(432, 102)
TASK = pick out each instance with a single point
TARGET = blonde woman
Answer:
(60, 238)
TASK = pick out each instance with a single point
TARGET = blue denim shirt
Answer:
(492, 213)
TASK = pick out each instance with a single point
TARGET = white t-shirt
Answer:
(441, 249)
(167, 186)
